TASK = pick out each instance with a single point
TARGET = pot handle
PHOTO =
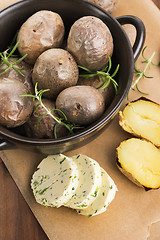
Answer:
(141, 32)
(4, 145)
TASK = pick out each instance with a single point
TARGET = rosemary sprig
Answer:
(6, 56)
(141, 73)
(103, 75)
(63, 120)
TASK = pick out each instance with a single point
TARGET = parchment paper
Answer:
(134, 214)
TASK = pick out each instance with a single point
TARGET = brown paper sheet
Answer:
(134, 214)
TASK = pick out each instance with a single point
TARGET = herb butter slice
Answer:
(89, 182)
(55, 181)
(106, 194)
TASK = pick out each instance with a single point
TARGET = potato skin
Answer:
(131, 32)
(42, 31)
(26, 70)
(46, 125)
(55, 69)
(109, 5)
(81, 104)
(107, 93)
(128, 175)
(15, 110)
(90, 41)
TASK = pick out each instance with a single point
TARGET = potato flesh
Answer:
(142, 118)
(141, 159)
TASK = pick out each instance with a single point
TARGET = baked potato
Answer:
(142, 118)
(15, 110)
(26, 70)
(42, 31)
(139, 160)
(90, 42)
(131, 32)
(45, 128)
(107, 93)
(81, 104)
(55, 69)
(109, 5)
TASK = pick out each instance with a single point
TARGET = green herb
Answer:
(42, 191)
(111, 187)
(38, 95)
(62, 160)
(95, 193)
(103, 75)
(35, 183)
(6, 56)
(90, 215)
(141, 73)
(83, 205)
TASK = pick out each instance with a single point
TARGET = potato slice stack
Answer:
(78, 183)
(139, 158)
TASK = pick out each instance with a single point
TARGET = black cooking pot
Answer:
(12, 17)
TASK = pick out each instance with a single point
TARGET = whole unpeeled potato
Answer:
(14, 110)
(108, 5)
(26, 70)
(131, 32)
(107, 93)
(90, 42)
(81, 104)
(44, 128)
(42, 31)
(55, 69)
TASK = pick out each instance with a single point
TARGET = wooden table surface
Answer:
(17, 222)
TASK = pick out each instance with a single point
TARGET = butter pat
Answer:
(55, 181)
(77, 182)
(106, 194)
(89, 182)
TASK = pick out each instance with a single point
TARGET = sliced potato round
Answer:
(142, 118)
(139, 160)
(55, 181)
(106, 194)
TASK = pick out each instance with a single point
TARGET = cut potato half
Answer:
(142, 118)
(139, 160)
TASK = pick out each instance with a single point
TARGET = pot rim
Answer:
(102, 121)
